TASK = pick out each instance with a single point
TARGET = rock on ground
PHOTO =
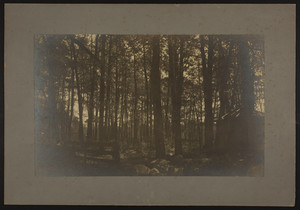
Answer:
(142, 169)
(154, 172)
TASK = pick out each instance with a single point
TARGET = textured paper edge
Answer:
(275, 22)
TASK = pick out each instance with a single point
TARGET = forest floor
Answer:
(70, 163)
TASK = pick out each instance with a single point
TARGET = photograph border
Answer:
(21, 187)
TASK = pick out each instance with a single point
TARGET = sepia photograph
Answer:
(149, 105)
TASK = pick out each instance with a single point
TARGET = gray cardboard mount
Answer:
(275, 22)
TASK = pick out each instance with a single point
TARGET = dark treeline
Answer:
(156, 95)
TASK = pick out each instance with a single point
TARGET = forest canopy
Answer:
(154, 96)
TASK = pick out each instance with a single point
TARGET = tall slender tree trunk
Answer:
(96, 123)
(247, 89)
(156, 93)
(223, 75)
(121, 130)
(102, 93)
(207, 84)
(79, 95)
(72, 106)
(151, 108)
(135, 111)
(92, 90)
(167, 134)
(247, 81)
(126, 107)
(62, 111)
(176, 75)
(151, 117)
(67, 114)
(146, 92)
(167, 123)
(201, 108)
(124, 95)
(108, 84)
(117, 143)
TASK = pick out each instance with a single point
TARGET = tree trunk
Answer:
(72, 107)
(62, 111)
(247, 99)
(176, 75)
(207, 84)
(92, 90)
(222, 78)
(135, 112)
(96, 123)
(102, 92)
(156, 93)
(117, 143)
(126, 106)
(146, 92)
(201, 108)
(108, 84)
(79, 95)
(247, 95)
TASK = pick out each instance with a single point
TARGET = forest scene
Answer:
(149, 105)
